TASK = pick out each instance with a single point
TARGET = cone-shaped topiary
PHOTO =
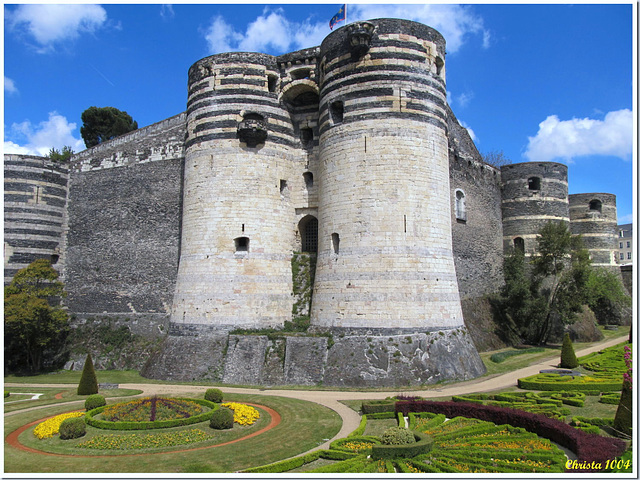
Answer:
(568, 357)
(88, 382)
(624, 418)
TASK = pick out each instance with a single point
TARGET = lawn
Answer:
(304, 426)
(16, 401)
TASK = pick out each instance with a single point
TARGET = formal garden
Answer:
(566, 421)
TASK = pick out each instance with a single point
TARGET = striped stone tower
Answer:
(384, 255)
(595, 218)
(237, 224)
(35, 194)
(533, 193)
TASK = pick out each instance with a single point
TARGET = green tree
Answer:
(568, 357)
(105, 123)
(550, 288)
(61, 156)
(606, 296)
(88, 381)
(34, 324)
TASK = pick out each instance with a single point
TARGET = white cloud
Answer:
(220, 36)
(472, 134)
(464, 98)
(56, 132)
(10, 86)
(455, 22)
(625, 219)
(567, 139)
(51, 24)
(166, 12)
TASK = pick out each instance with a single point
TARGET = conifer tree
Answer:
(568, 357)
(88, 382)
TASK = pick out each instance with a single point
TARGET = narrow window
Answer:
(628, 244)
(518, 243)
(439, 65)
(308, 179)
(628, 255)
(622, 256)
(54, 259)
(595, 206)
(243, 228)
(272, 82)
(620, 244)
(335, 241)
(242, 244)
(534, 183)
(461, 207)
(336, 110)
(283, 186)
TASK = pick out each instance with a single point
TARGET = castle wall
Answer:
(594, 216)
(35, 191)
(476, 216)
(384, 255)
(533, 194)
(122, 238)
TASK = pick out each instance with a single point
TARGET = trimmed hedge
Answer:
(552, 381)
(72, 428)
(502, 356)
(338, 444)
(610, 398)
(361, 428)
(296, 462)
(378, 406)
(94, 401)
(588, 447)
(213, 395)
(423, 444)
(106, 425)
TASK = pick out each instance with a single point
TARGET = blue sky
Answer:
(547, 82)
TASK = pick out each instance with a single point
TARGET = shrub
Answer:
(568, 357)
(378, 406)
(397, 436)
(421, 443)
(6, 393)
(88, 382)
(72, 428)
(213, 395)
(222, 419)
(94, 401)
(624, 418)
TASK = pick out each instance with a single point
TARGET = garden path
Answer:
(331, 398)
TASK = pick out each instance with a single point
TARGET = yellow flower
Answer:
(51, 427)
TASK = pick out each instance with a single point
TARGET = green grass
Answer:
(49, 393)
(304, 426)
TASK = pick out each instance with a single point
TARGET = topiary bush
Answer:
(397, 436)
(72, 428)
(222, 419)
(88, 382)
(213, 395)
(568, 357)
(94, 401)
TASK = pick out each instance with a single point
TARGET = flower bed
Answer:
(243, 414)
(51, 426)
(147, 440)
(150, 409)
(600, 381)
(91, 419)
(608, 360)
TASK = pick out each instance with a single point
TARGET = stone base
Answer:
(336, 358)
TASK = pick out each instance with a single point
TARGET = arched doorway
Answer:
(308, 228)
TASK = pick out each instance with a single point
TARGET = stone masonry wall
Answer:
(124, 223)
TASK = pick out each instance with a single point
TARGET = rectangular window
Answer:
(622, 256)
(620, 244)
(628, 244)
(628, 255)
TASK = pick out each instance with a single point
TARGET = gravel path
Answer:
(331, 398)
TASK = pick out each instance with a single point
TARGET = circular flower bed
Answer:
(150, 409)
(137, 441)
(151, 413)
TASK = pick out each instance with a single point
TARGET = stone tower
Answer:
(594, 217)
(384, 258)
(237, 223)
(533, 193)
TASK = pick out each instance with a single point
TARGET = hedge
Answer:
(502, 356)
(337, 444)
(423, 444)
(378, 406)
(610, 398)
(588, 447)
(106, 425)
(550, 381)
(361, 428)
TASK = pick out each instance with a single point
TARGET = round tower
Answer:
(237, 224)
(594, 216)
(533, 193)
(384, 241)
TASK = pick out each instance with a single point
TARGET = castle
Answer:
(186, 229)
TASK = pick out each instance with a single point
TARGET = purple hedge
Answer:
(589, 447)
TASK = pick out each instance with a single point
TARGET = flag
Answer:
(338, 17)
